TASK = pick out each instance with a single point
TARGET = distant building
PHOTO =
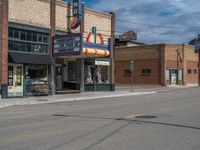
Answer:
(192, 42)
(164, 64)
(127, 39)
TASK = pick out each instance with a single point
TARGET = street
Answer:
(167, 120)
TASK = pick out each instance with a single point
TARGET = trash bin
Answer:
(4, 91)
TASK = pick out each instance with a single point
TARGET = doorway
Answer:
(174, 76)
(15, 80)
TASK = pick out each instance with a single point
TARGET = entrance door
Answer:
(174, 76)
(15, 80)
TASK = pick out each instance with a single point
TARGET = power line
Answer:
(157, 26)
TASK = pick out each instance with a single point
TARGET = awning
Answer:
(96, 52)
(28, 58)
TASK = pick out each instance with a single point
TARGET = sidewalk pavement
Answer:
(121, 91)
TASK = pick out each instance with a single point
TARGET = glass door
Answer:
(15, 80)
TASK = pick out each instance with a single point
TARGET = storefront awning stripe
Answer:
(96, 52)
(28, 58)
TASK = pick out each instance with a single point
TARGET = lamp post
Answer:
(131, 69)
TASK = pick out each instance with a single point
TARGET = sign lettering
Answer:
(67, 45)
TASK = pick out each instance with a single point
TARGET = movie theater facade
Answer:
(44, 50)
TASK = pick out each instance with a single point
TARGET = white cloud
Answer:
(168, 13)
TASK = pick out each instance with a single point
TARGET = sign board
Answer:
(132, 65)
(197, 46)
(67, 45)
(102, 63)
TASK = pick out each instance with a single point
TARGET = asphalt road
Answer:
(169, 120)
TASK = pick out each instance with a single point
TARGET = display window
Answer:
(96, 74)
(36, 79)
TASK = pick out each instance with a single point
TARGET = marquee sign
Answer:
(67, 45)
(76, 14)
(94, 45)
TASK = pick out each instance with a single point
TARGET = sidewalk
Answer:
(121, 91)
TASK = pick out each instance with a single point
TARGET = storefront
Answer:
(27, 80)
(82, 63)
(28, 74)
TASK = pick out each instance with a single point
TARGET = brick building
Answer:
(26, 63)
(163, 64)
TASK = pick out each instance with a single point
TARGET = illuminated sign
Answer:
(96, 46)
(76, 14)
(67, 45)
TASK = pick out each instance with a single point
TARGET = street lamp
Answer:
(132, 69)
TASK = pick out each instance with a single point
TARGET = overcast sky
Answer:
(171, 21)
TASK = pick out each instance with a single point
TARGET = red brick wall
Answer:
(192, 77)
(138, 78)
(3, 41)
(1, 20)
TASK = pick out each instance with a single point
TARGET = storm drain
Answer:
(42, 100)
(145, 117)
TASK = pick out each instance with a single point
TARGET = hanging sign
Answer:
(76, 14)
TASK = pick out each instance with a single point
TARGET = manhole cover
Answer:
(145, 117)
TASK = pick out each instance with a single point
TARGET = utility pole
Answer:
(132, 69)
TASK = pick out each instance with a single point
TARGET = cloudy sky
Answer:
(155, 21)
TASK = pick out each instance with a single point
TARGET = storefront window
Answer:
(96, 74)
(36, 79)
(33, 42)
(18, 81)
(72, 71)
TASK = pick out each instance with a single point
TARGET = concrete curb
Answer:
(30, 101)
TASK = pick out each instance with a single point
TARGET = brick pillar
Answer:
(81, 62)
(162, 65)
(4, 47)
(52, 34)
(112, 64)
(184, 65)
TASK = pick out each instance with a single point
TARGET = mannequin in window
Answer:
(59, 80)
(98, 75)
(89, 75)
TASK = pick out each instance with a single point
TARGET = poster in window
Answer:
(18, 81)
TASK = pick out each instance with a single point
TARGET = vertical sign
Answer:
(77, 14)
